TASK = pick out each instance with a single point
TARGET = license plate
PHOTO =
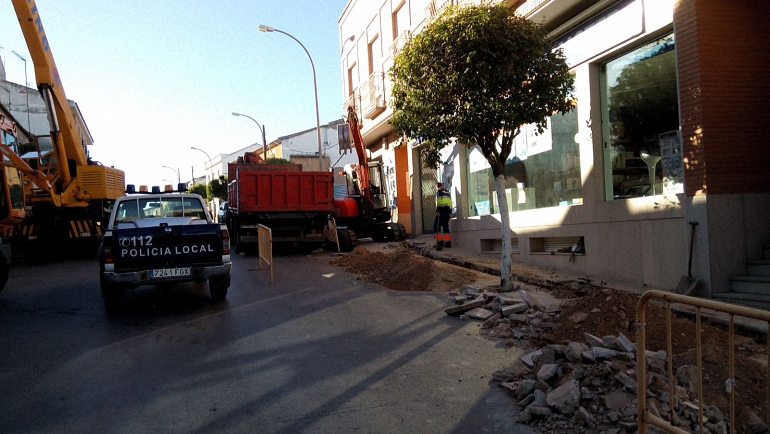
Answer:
(169, 272)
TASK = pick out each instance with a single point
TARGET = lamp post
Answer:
(207, 156)
(350, 38)
(261, 128)
(264, 28)
(178, 175)
(26, 89)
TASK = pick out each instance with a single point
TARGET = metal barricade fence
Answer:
(265, 235)
(644, 416)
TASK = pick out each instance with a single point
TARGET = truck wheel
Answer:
(347, 240)
(218, 287)
(3, 272)
(112, 294)
(401, 232)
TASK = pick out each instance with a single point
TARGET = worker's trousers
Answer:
(443, 237)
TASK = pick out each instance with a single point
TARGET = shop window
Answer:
(642, 151)
(543, 170)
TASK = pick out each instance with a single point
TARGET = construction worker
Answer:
(443, 212)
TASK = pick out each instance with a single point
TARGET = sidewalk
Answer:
(550, 278)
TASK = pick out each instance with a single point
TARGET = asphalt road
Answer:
(318, 351)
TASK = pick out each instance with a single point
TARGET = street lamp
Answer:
(26, 89)
(178, 175)
(264, 28)
(207, 156)
(261, 128)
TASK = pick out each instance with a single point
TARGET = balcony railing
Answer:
(435, 7)
(353, 100)
(399, 43)
(373, 95)
(529, 6)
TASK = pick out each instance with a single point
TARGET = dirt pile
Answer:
(400, 269)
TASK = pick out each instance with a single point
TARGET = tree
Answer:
(478, 74)
(218, 188)
(199, 189)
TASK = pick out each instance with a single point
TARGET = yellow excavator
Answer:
(67, 196)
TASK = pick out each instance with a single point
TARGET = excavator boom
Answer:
(63, 130)
(362, 168)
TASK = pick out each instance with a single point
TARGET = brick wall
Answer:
(724, 81)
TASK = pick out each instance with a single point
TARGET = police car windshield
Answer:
(159, 207)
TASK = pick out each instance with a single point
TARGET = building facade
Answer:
(667, 132)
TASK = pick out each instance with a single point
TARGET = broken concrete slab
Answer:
(547, 372)
(480, 313)
(592, 340)
(460, 299)
(465, 307)
(529, 359)
(565, 399)
(491, 321)
(509, 299)
(574, 351)
(525, 388)
(626, 343)
(514, 309)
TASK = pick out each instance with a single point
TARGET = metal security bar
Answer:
(644, 416)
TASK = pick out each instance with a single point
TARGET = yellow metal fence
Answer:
(644, 416)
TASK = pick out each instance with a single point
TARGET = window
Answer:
(542, 171)
(642, 151)
(400, 19)
(352, 79)
(373, 54)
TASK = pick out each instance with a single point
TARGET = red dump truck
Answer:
(295, 205)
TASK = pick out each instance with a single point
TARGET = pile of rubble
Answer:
(585, 387)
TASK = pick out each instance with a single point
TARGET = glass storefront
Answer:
(642, 149)
(543, 170)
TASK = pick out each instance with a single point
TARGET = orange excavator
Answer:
(66, 195)
(364, 211)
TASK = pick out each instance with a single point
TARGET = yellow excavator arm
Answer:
(63, 130)
(75, 180)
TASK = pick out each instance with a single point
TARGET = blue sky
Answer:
(153, 78)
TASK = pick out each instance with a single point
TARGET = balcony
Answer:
(528, 6)
(435, 7)
(399, 43)
(354, 101)
(372, 93)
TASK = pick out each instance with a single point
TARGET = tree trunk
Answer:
(506, 283)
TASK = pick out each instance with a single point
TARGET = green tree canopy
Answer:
(218, 188)
(478, 74)
(199, 189)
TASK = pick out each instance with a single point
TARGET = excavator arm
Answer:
(64, 135)
(362, 168)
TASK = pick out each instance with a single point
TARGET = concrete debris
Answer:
(589, 386)
(592, 389)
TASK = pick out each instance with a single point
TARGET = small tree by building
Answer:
(199, 189)
(217, 188)
(478, 74)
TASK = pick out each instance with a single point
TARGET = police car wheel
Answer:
(218, 287)
(112, 294)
